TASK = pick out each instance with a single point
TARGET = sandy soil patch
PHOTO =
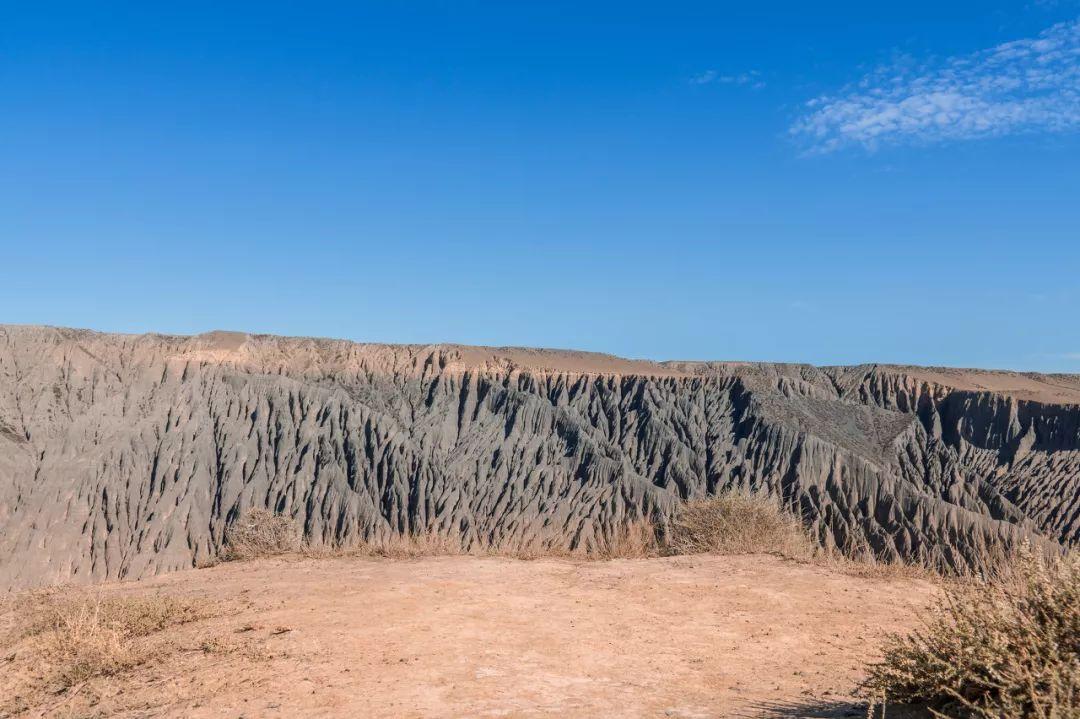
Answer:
(706, 636)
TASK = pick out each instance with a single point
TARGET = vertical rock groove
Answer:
(124, 456)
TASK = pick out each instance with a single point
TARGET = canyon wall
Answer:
(124, 456)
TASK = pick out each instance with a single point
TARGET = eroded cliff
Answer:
(122, 456)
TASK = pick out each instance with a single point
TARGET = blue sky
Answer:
(818, 182)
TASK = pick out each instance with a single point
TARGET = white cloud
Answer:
(1024, 86)
(712, 77)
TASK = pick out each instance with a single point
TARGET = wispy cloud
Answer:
(712, 77)
(1024, 86)
(802, 306)
(1050, 4)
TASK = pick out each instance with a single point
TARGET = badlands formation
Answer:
(126, 456)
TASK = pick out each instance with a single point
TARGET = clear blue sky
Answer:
(819, 182)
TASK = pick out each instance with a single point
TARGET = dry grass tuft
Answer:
(738, 523)
(870, 567)
(66, 638)
(260, 533)
(729, 523)
(733, 522)
(1003, 649)
(633, 539)
(410, 546)
(636, 539)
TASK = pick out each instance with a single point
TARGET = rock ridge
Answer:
(122, 456)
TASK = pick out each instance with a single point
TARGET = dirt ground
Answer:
(749, 636)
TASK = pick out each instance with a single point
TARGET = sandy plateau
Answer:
(707, 636)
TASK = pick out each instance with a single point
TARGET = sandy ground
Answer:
(750, 636)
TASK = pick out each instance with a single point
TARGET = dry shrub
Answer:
(524, 549)
(429, 543)
(436, 543)
(738, 523)
(68, 637)
(870, 567)
(858, 559)
(260, 533)
(733, 522)
(1004, 649)
(633, 539)
(636, 539)
(409, 546)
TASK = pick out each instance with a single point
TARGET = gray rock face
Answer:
(124, 456)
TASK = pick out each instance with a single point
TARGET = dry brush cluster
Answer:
(260, 533)
(730, 523)
(738, 523)
(77, 652)
(1008, 648)
(59, 640)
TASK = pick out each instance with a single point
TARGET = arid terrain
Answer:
(745, 636)
(123, 456)
(589, 535)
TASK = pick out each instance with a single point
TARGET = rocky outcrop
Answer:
(123, 456)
